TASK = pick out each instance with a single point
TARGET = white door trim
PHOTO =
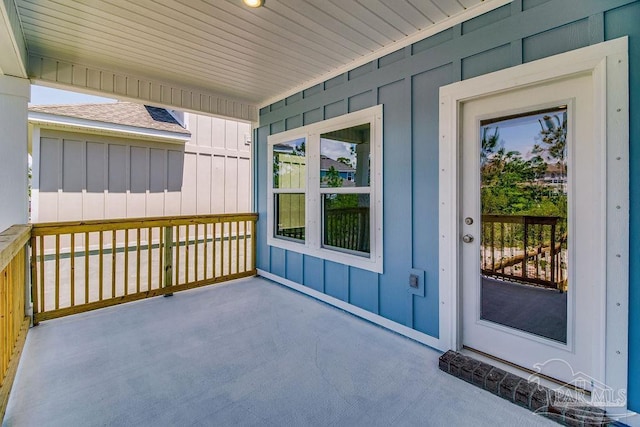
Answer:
(608, 63)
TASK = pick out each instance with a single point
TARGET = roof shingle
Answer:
(122, 113)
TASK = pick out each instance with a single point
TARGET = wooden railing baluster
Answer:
(113, 263)
(126, 262)
(229, 257)
(72, 258)
(101, 267)
(528, 248)
(138, 259)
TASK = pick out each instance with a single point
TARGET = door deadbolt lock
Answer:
(467, 238)
(468, 220)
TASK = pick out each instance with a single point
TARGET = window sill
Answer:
(372, 263)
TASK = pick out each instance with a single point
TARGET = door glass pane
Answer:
(523, 248)
(345, 157)
(290, 215)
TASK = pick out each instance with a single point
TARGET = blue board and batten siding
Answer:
(407, 83)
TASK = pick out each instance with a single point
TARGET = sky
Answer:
(519, 134)
(41, 95)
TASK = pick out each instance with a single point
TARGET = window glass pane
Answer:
(345, 157)
(346, 222)
(290, 216)
(289, 164)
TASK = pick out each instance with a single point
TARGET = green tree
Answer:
(332, 178)
(345, 161)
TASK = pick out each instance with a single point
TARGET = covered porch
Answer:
(247, 352)
(254, 352)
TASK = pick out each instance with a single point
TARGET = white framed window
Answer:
(325, 189)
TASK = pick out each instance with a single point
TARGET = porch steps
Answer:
(530, 395)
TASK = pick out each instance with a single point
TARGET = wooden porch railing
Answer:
(81, 266)
(14, 323)
(529, 249)
(347, 228)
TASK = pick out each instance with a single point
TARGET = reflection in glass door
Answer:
(523, 248)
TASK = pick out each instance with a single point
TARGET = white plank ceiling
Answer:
(222, 47)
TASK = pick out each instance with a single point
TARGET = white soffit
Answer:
(218, 56)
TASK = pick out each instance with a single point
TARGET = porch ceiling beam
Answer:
(127, 87)
(13, 50)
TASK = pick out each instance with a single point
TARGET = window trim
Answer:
(313, 192)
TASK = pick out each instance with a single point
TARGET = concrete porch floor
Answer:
(248, 352)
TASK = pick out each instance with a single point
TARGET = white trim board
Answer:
(356, 311)
(53, 121)
(313, 191)
(608, 64)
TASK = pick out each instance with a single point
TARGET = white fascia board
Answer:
(13, 50)
(471, 12)
(52, 121)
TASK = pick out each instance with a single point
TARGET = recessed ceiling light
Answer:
(254, 3)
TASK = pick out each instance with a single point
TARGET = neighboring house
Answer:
(123, 160)
(345, 171)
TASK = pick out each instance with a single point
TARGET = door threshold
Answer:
(528, 393)
(544, 380)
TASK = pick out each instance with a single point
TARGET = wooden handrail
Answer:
(12, 240)
(14, 324)
(53, 228)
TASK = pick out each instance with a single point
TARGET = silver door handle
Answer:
(467, 238)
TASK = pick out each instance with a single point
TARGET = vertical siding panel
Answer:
(203, 129)
(49, 178)
(231, 187)
(396, 98)
(72, 180)
(620, 22)
(204, 184)
(157, 180)
(116, 198)
(218, 131)
(295, 267)
(425, 95)
(175, 176)
(218, 190)
(139, 178)
(94, 198)
(363, 289)
(231, 135)
(313, 273)
(189, 184)
(336, 280)
(278, 261)
(244, 183)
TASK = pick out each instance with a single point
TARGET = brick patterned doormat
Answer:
(530, 395)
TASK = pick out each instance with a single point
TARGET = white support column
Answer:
(14, 96)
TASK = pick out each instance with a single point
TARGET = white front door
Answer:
(532, 222)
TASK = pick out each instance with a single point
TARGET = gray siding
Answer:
(85, 176)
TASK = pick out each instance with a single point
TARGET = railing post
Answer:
(526, 244)
(168, 258)
(553, 254)
(33, 280)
